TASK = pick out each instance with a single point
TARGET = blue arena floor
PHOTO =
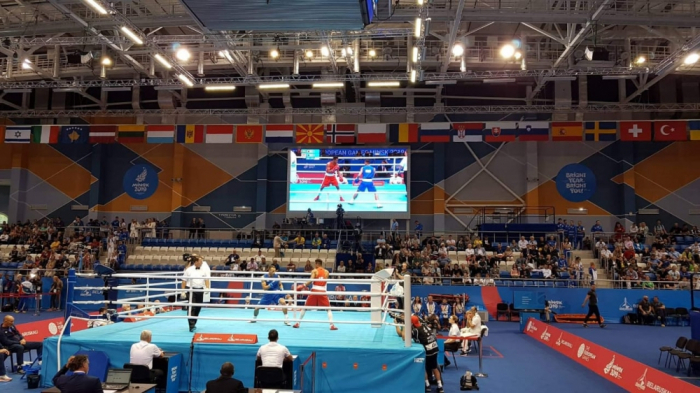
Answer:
(392, 197)
(354, 356)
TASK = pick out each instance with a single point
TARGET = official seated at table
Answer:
(143, 352)
(226, 383)
(79, 381)
(473, 329)
(272, 356)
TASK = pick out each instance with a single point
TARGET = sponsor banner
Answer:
(218, 338)
(39, 330)
(626, 373)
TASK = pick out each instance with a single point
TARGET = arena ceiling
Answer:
(109, 56)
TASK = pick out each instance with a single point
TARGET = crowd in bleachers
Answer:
(639, 257)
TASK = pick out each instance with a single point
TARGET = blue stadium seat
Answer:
(561, 284)
(504, 274)
(498, 283)
(518, 283)
(564, 275)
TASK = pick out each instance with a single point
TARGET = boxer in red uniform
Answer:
(318, 278)
(331, 178)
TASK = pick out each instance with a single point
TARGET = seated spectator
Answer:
(514, 272)
(308, 268)
(143, 352)
(646, 311)
(341, 267)
(4, 353)
(259, 257)
(316, 242)
(659, 310)
(450, 243)
(226, 383)
(79, 381)
(299, 241)
(325, 242)
(12, 340)
(252, 266)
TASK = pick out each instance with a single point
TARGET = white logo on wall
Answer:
(584, 353)
(545, 335)
(613, 369)
(641, 382)
(140, 181)
(53, 329)
(560, 341)
(556, 304)
(531, 327)
(626, 306)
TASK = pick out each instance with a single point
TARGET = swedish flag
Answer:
(601, 131)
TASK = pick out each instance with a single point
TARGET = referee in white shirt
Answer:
(196, 277)
(273, 354)
(143, 352)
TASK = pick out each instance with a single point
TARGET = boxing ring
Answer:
(365, 353)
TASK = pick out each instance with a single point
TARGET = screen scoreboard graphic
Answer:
(363, 180)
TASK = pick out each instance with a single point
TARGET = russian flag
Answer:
(435, 132)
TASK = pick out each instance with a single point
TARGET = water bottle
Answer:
(468, 375)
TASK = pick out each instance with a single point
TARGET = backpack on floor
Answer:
(468, 382)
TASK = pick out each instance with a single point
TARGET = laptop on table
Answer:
(117, 379)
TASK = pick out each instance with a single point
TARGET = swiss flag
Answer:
(632, 131)
(670, 131)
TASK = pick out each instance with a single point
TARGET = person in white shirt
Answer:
(473, 329)
(452, 344)
(259, 258)
(273, 354)
(143, 352)
(196, 276)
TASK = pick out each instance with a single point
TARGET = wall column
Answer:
(260, 208)
(96, 187)
(18, 184)
(629, 197)
(178, 201)
(439, 187)
(532, 196)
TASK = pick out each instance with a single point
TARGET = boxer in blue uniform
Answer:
(271, 283)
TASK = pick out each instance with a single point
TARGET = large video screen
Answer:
(363, 180)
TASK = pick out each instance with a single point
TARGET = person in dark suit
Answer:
(79, 381)
(226, 383)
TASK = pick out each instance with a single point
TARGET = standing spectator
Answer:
(56, 289)
(418, 229)
(394, 228)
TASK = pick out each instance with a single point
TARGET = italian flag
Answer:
(45, 134)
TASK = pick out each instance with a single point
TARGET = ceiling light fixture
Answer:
(499, 80)
(325, 52)
(162, 61)
(309, 54)
(220, 88)
(384, 84)
(187, 81)
(343, 53)
(106, 61)
(413, 76)
(641, 60)
(457, 50)
(96, 6)
(507, 51)
(691, 59)
(415, 54)
(372, 53)
(320, 85)
(274, 86)
(418, 27)
(274, 53)
(132, 36)
(183, 54)
(26, 64)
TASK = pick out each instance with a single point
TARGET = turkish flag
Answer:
(670, 131)
(632, 131)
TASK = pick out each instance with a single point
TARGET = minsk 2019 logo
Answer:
(140, 181)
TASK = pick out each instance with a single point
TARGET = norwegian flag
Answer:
(340, 133)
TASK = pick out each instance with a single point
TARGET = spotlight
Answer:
(343, 52)
(26, 64)
(457, 50)
(372, 53)
(507, 51)
(96, 6)
(183, 54)
(132, 36)
(418, 27)
(420, 2)
(274, 53)
(325, 51)
(106, 61)
(349, 51)
(415, 54)
(517, 55)
(413, 76)
(691, 59)
(309, 54)
(641, 60)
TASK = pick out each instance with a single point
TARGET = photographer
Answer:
(423, 334)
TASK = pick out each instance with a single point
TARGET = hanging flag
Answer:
(371, 133)
(45, 134)
(17, 134)
(694, 127)
(219, 133)
(501, 131)
(307, 134)
(190, 133)
(103, 134)
(249, 133)
(670, 131)
(567, 131)
(467, 132)
(533, 131)
(337, 134)
(131, 133)
(403, 133)
(635, 131)
(600, 131)
(434, 132)
(74, 134)
(160, 134)
(279, 133)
